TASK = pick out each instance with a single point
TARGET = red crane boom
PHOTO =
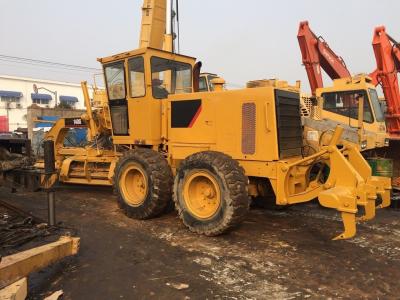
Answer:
(316, 53)
(387, 55)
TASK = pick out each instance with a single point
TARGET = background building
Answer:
(17, 94)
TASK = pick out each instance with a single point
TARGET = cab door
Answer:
(144, 110)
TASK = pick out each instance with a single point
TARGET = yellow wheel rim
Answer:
(202, 195)
(133, 184)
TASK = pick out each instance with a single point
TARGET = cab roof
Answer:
(139, 52)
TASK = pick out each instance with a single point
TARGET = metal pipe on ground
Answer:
(50, 169)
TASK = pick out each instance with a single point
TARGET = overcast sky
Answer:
(240, 40)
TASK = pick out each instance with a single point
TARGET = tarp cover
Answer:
(68, 99)
(43, 97)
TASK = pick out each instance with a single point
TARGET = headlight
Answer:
(363, 145)
(386, 142)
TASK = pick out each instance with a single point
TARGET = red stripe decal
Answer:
(195, 117)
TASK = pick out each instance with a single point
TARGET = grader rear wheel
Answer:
(143, 182)
(202, 194)
(210, 193)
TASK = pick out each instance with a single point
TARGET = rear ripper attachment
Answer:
(349, 186)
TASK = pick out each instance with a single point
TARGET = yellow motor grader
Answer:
(210, 151)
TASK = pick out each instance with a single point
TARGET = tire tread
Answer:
(158, 168)
(236, 180)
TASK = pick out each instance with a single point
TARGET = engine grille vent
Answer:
(309, 109)
(249, 128)
(290, 133)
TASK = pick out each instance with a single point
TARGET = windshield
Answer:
(346, 104)
(170, 77)
(115, 80)
(211, 77)
(376, 105)
(203, 84)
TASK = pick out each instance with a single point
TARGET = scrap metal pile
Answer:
(18, 228)
(10, 161)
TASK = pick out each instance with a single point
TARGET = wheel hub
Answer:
(202, 195)
(133, 184)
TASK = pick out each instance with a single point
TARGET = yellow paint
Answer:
(202, 194)
(374, 133)
(218, 127)
(133, 184)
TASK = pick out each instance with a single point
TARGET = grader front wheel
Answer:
(210, 193)
(143, 182)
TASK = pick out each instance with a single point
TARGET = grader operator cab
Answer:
(211, 151)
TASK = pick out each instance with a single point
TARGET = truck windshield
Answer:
(115, 80)
(346, 104)
(375, 104)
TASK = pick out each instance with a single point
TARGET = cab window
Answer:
(115, 79)
(376, 105)
(346, 104)
(170, 77)
(209, 78)
(136, 77)
(203, 85)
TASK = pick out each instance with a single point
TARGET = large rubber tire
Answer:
(157, 176)
(231, 184)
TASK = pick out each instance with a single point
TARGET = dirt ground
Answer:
(273, 255)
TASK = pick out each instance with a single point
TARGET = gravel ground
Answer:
(272, 255)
